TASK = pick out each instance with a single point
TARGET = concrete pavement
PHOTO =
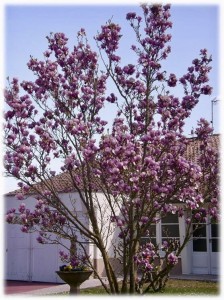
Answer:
(19, 288)
(65, 287)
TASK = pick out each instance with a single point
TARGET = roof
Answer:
(193, 148)
(63, 183)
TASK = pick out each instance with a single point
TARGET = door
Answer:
(205, 246)
(17, 260)
(214, 243)
(44, 261)
(27, 260)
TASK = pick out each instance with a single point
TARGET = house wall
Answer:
(26, 259)
(186, 254)
(113, 240)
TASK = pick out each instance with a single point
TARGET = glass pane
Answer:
(145, 240)
(199, 232)
(168, 240)
(215, 230)
(215, 245)
(152, 231)
(200, 245)
(170, 218)
(153, 241)
(170, 230)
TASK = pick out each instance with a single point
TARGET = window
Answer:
(199, 237)
(206, 237)
(215, 235)
(170, 227)
(167, 229)
(150, 236)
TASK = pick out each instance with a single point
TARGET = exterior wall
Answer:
(188, 262)
(186, 254)
(177, 270)
(26, 259)
(108, 230)
(115, 264)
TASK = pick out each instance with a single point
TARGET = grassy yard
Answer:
(174, 287)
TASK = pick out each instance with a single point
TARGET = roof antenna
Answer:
(192, 132)
(213, 102)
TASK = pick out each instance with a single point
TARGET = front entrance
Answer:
(205, 246)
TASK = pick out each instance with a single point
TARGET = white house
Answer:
(26, 259)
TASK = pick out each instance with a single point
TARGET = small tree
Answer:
(141, 167)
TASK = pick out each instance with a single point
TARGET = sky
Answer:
(194, 27)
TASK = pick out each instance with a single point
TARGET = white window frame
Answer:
(159, 233)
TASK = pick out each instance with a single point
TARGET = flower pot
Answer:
(74, 279)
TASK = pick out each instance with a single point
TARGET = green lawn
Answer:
(174, 287)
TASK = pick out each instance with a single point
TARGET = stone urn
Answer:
(74, 279)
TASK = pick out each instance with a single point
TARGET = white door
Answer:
(17, 260)
(44, 261)
(214, 241)
(205, 246)
(26, 259)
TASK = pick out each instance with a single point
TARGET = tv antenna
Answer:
(213, 102)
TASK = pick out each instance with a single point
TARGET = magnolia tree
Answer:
(139, 166)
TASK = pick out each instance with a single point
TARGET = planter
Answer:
(74, 279)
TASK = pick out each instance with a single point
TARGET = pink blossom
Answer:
(172, 259)
(20, 196)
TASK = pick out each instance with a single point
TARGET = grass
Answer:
(174, 287)
(190, 287)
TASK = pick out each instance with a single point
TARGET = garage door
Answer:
(28, 260)
(17, 254)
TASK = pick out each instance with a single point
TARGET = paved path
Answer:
(38, 288)
(14, 286)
